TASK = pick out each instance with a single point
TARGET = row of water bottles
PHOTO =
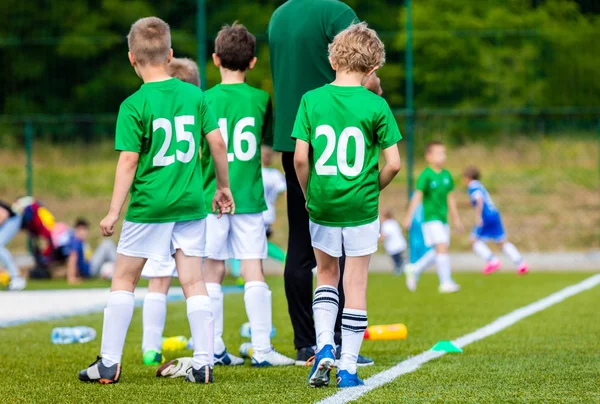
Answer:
(71, 335)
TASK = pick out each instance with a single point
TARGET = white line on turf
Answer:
(412, 364)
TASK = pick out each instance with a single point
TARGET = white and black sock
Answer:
(481, 249)
(354, 324)
(154, 315)
(201, 325)
(325, 309)
(215, 292)
(117, 317)
(257, 298)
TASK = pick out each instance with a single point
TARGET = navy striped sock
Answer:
(325, 309)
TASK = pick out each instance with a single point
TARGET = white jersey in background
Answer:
(393, 240)
(274, 184)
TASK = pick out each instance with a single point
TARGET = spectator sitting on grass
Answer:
(81, 263)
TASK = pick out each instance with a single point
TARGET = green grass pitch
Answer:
(553, 356)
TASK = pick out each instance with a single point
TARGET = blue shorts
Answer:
(491, 230)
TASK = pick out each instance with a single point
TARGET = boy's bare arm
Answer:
(479, 210)
(391, 167)
(301, 163)
(454, 212)
(126, 168)
(414, 202)
(218, 151)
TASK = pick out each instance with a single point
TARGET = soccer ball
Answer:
(4, 279)
(107, 270)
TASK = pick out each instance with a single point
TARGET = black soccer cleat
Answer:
(99, 373)
(204, 375)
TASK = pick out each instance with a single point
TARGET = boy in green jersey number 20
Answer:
(339, 131)
(245, 119)
(158, 134)
(435, 188)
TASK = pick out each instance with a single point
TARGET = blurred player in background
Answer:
(489, 226)
(245, 118)
(435, 189)
(158, 132)
(159, 273)
(274, 184)
(10, 224)
(341, 181)
(394, 242)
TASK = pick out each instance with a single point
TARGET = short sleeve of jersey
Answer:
(302, 126)
(474, 194)
(267, 130)
(341, 21)
(209, 122)
(423, 181)
(387, 130)
(129, 132)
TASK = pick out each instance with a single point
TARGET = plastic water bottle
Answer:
(386, 332)
(246, 332)
(71, 335)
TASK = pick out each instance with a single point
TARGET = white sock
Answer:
(481, 249)
(354, 324)
(216, 304)
(425, 262)
(154, 315)
(117, 317)
(325, 309)
(512, 252)
(257, 297)
(201, 325)
(443, 268)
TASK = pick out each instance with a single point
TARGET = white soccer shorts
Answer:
(158, 241)
(436, 232)
(240, 236)
(357, 241)
(159, 269)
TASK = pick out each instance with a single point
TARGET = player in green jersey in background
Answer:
(158, 133)
(245, 118)
(339, 131)
(435, 188)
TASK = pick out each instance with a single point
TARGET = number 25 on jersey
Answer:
(321, 166)
(181, 134)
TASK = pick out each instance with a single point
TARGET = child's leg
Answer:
(154, 313)
(214, 272)
(119, 309)
(397, 259)
(354, 318)
(257, 298)
(442, 261)
(509, 249)
(482, 250)
(326, 300)
(427, 260)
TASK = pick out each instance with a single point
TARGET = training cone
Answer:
(446, 346)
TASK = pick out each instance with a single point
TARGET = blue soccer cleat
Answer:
(324, 360)
(347, 379)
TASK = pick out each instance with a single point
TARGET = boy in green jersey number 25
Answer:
(339, 131)
(158, 134)
(435, 188)
(245, 119)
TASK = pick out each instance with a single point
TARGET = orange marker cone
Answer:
(386, 332)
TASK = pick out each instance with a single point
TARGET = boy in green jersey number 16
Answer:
(435, 188)
(245, 119)
(158, 133)
(339, 131)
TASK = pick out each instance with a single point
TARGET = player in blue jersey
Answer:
(489, 226)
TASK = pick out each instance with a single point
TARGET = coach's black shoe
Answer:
(99, 373)
(204, 375)
(361, 361)
(304, 356)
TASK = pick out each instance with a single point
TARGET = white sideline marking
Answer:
(412, 364)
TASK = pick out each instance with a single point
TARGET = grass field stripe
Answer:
(412, 364)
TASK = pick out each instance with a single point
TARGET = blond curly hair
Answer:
(357, 49)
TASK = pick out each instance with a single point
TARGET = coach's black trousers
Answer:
(300, 261)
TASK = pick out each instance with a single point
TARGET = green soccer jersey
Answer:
(245, 117)
(435, 187)
(345, 127)
(299, 33)
(164, 122)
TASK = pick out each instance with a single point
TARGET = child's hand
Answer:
(407, 223)
(107, 225)
(223, 200)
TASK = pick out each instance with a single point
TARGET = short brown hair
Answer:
(357, 49)
(431, 145)
(149, 41)
(235, 47)
(472, 172)
(185, 70)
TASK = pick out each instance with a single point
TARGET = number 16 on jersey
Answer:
(239, 137)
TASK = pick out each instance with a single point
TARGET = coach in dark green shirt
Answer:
(299, 33)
